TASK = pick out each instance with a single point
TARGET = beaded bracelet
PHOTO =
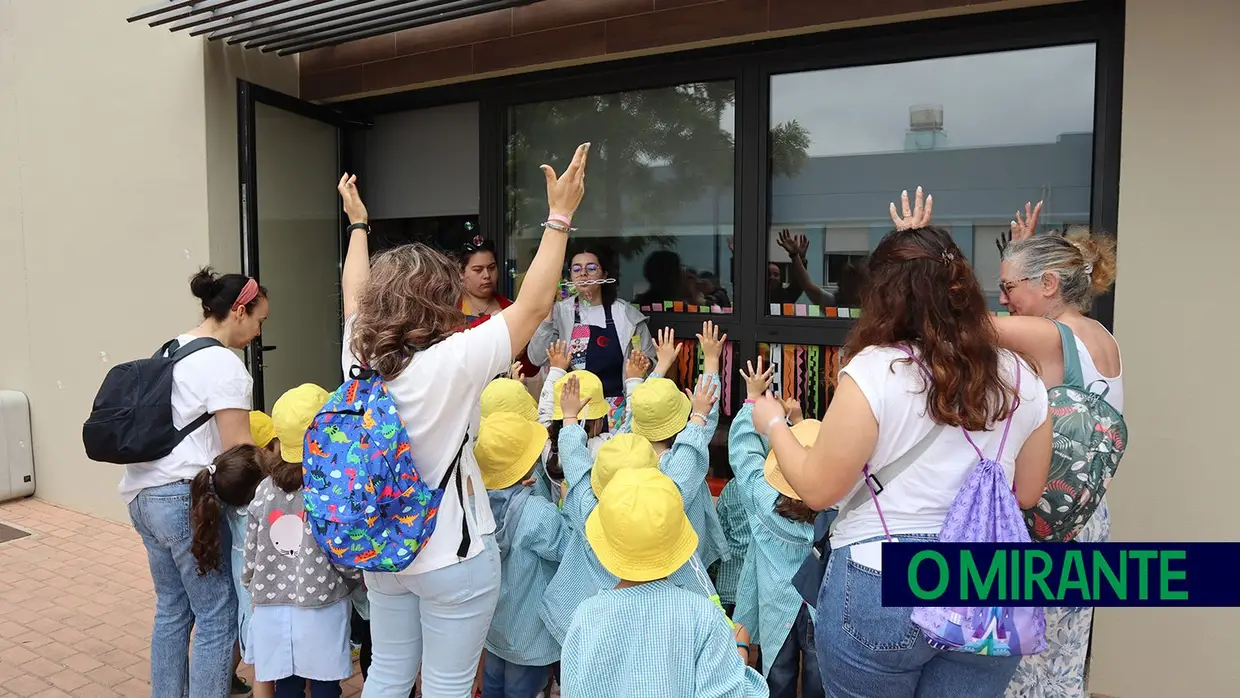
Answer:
(555, 225)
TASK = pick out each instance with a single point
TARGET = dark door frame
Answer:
(249, 95)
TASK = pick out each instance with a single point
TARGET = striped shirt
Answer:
(735, 521)
(686, 463)
(654, 640)
(581, 575)
(766, 601)
(518, 634)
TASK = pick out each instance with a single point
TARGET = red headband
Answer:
(248, 293)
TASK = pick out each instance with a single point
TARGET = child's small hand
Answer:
(557, 354)
(571, 401)
(514, 371)
(638, 364)
(793, 407)
(757, 381)
(666, 350)
(704, 397)
(712, 345)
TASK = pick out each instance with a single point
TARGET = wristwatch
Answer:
(364, 227)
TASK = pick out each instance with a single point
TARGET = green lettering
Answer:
(1143, 572)
(971, 576)
(916, 587)
(1073, 575)
(1166, 575)
(1015, 575)
(1037, 577)
(1102, 568)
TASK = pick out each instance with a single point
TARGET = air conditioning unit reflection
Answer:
(925, 117)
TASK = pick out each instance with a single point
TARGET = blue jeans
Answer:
(184, 599)
(437, 620)
(866, 649)
(503, 679)
(794, 671)
(295, 687)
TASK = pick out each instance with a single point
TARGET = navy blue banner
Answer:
(1062, 574)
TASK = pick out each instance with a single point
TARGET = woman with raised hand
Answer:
(926, 388)
(401, 312)
(1049, 282)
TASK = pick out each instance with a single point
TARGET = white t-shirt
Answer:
(437, 396)
(209, 380)
(918, 500)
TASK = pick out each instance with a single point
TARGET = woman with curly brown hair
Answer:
(401, 315)
(914, 413)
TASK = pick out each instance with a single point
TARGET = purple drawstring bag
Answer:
(984, 511)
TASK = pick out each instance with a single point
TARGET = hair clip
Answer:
(1089, 269)
(948, 257)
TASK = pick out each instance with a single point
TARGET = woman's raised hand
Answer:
(565, 191)
(557, 354)
(353, 206)
(756, 381)
(1024, 228)
(918, 216)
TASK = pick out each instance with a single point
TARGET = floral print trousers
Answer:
(1059, 672)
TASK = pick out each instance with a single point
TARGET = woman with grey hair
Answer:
(1049, 282)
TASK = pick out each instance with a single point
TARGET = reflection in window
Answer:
(806, 372)
(870, 132)
(659, 189)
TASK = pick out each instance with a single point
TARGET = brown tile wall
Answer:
(560, 32)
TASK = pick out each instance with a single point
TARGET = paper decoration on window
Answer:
(682, 307)
(808, 372)
(803, 310)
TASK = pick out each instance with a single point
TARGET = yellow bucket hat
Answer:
(508, 395)
(639, 530)
(591, 387)
(620, 452)
(292, 415)
(806, 432)
(660, 410)
(508, 446)
(262, 429)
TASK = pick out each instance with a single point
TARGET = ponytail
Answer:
(204, 520)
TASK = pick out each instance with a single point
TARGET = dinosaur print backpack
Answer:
(366, 504)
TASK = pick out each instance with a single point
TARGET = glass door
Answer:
(291, 156)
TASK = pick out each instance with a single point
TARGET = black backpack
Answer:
(131, 419)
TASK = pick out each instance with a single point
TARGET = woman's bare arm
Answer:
(538, 290)
(356, 270)
(1033, 466)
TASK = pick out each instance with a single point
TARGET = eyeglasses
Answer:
(1007, 286)
(590, 268)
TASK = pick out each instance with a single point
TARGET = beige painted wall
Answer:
(1174, 319)
(116, 149)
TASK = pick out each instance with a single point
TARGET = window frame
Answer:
(751, 65)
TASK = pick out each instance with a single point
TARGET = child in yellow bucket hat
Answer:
(581, 575)
(508, 395)
(675, 642)
(529, 533)
(781, 539)
(681, 429)
(263, 431)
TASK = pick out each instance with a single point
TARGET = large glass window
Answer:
(984, 133)
(659, 189)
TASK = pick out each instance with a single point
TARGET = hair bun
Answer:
(1098, 252)
(204, 285)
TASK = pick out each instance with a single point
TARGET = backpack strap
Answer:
(1072, 373)
(455, 470)
(893, 470)
(176, 351)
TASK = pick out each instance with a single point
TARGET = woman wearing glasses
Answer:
(600, 328)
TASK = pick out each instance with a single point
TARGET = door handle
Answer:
(267, 347)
